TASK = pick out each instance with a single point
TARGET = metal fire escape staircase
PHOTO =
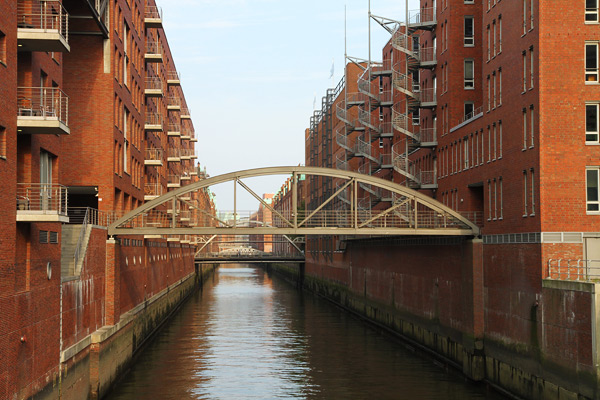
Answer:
(416, 98)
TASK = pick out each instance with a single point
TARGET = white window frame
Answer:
(531, 127)
(469, 83)
(591, 73)
(469, 41)
(524, 129)
(525, 197)
(532, 192)
(591, 14)
(594, 204)
(596, 132)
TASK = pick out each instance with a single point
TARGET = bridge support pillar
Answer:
(473, 359)
(112, 304)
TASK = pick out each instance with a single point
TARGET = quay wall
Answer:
(476, 306)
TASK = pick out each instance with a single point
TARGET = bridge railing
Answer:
(574, 270)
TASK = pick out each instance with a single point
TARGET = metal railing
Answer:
(574, 270)
(42, 197)
(154, 119)
(471, 115)
(422, 16)
(43, 103)
(174, 128)
(45, 15)
(154, 154)
(154, 83)
(153, 48)
(153, 12)
(340, 162)
(475, 217)
(173, 75)
(153, 189)
(174, 180)
(174, 153)
(185, 112)
(174, 101)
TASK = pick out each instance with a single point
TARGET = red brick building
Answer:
(490, 107)
(93, 123)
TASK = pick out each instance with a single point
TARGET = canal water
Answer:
(249, 335)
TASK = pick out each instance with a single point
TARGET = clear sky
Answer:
(251, 69)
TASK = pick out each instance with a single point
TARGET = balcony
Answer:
(383, 68)
(174, 181)
(42, 110)
(351, 121)
(173, 78)
(424, 18)
(41, 202)
(153, 157)
(153, 17)
(186, 177)
(42, 26)
(154, 87)
(153, 53)
(174, 155)
(417, 178)
(152, 191)
(418, 57)
(186, 134)
(174, 103)
(153, 122)
(174, 130)
(185, 113)
(187, 154)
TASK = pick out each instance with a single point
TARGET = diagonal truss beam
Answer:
(333, 196)
(264, 203)
(203, 212)
(386, 22)
(383, 214)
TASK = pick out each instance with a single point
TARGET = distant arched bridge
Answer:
(404, 212)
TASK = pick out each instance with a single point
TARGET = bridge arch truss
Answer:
(404, 212)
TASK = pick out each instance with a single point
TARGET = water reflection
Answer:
(247, 336)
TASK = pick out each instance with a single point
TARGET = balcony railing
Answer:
(422, 18)
(173, 78)
(42, 110)
(154, 52)
(174, 103)
(174, 181)
(42, 26)
(152, 191)
(153, 17)
(574, 270)
(41, 202)
(185, 113)
(174, 130)
(154, 87)
(153, 157)
(174, 155)
(154, 122)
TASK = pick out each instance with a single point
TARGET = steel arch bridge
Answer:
(402, 211)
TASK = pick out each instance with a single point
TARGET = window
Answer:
(531, 127)
(524, 129)
(525, 16)
(592, 182)
(468, 109)
(591, 124)
(482, 147)
(2, 142)
(591, 62)
(500, 86)
(489, 144)
(499, 34)
(501, 200)
(531, 14)
(489, 94)
(125, 141)
(488, 43)
(469, 39)
(532, 192)
(469, 74)
(495, 199)
(125, 54)
(524, 193)
(466, 153)
(494, 88)
(531, 71)
(469, 1)
(499, 139)
(524, 71)
(591, 10)
(494, 129)
(381, 143)
(494, 33)
(2, 48)
(489, 200)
